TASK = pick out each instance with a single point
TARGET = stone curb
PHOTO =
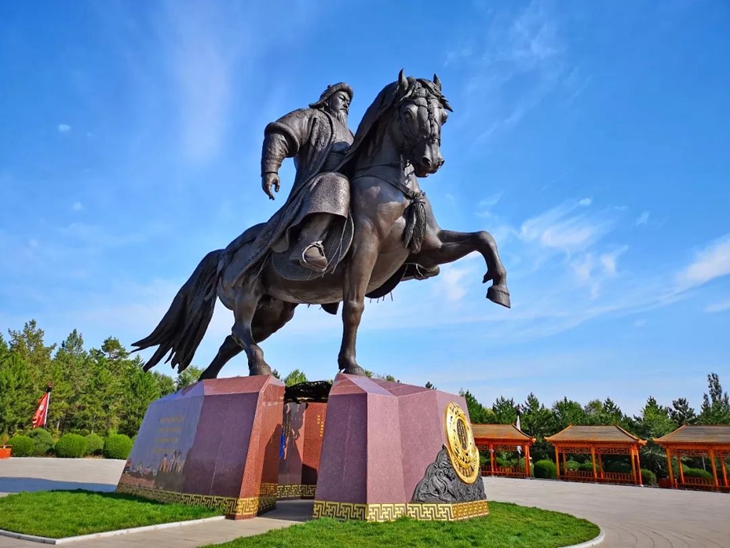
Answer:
(66, 540)
(587, 544)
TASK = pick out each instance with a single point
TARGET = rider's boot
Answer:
(309, 251)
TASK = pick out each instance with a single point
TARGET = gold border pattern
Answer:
(232, 506)
(389, 512)
(295, 491)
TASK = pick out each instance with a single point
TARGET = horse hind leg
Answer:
(246, 302)
(228, 350)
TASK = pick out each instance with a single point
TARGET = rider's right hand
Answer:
(270, 180)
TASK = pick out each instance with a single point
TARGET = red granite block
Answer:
(214, 443)
(380, 437)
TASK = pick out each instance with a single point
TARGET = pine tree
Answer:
(715, 405)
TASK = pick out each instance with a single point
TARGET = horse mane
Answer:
(371, 130)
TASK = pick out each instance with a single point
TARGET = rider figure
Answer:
(317, 138)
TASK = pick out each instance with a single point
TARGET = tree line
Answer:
(653, 421)
(105, 391)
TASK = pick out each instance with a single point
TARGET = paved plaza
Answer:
(630, 516)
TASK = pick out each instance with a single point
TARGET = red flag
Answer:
(41, 415)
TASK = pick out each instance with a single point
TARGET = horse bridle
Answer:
(412, 141)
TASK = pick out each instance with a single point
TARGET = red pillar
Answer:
(491, 457)
(557, 461)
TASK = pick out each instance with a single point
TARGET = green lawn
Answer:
(59, 514)
(508, 526)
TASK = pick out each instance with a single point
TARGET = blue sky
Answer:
(591, 138)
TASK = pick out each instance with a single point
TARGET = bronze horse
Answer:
(395, 237)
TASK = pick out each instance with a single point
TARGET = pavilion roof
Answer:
(715, 434)
(502, 432)
(594, 434)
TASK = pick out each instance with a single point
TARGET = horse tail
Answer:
(183, 326)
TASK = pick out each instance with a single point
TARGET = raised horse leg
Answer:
(446, 246)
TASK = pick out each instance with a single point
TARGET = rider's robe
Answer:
(318, 142)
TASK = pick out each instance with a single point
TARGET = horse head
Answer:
(420, 111)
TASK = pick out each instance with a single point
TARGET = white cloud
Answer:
(718, 307)
(585, 202)
(561, 229)
(711, 262)
(77, 206)
(643, 218)
(64, 128)
(640, 323)
(608, 260)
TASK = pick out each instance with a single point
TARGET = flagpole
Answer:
(48, 405)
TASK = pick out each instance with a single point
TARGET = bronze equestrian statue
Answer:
(354, 226)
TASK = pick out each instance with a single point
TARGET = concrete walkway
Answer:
(631, 517)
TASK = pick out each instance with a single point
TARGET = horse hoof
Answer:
(262, 369)
(355, 370)
(499, 295)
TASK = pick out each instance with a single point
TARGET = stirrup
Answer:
(304, 263)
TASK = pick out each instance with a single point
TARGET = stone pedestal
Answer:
(393, 450)
(301, 448)
(214, 443)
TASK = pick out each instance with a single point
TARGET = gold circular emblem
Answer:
(463, 453)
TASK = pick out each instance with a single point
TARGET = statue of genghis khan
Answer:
(317, 138)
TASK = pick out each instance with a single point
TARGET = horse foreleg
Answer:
(228, 350)
(446, 246)
(364, 254)
(244, 308)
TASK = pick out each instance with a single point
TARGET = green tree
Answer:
(142, 390)
(715, 407)
(187, 377)
(653, 422)
(477, 412)
(505, 411)
(17, 401)
(681, 412)
(70, 374)
(567, 412)
(538, 421)
(295, 377)
(29, 345)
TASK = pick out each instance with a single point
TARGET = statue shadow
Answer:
(20, 485)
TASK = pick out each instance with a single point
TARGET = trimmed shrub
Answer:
(94, 444)
(22, 446)
(71, 446)
(117, 446)
(620, 467)
(545, 469)
(648, 477)
(42, 440)
(572, 465)
(697, 473)
(587, 467)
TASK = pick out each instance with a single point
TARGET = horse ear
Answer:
(437, 81)
(402, 80)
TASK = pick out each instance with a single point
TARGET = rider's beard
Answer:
(341, 115)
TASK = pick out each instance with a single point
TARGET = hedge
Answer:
(697, 473)
(94, 444)
(648, 477)
(71, 446)
(117, 446)
(22, 446)
(42, 440)
(572, 465)
(545, 469)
